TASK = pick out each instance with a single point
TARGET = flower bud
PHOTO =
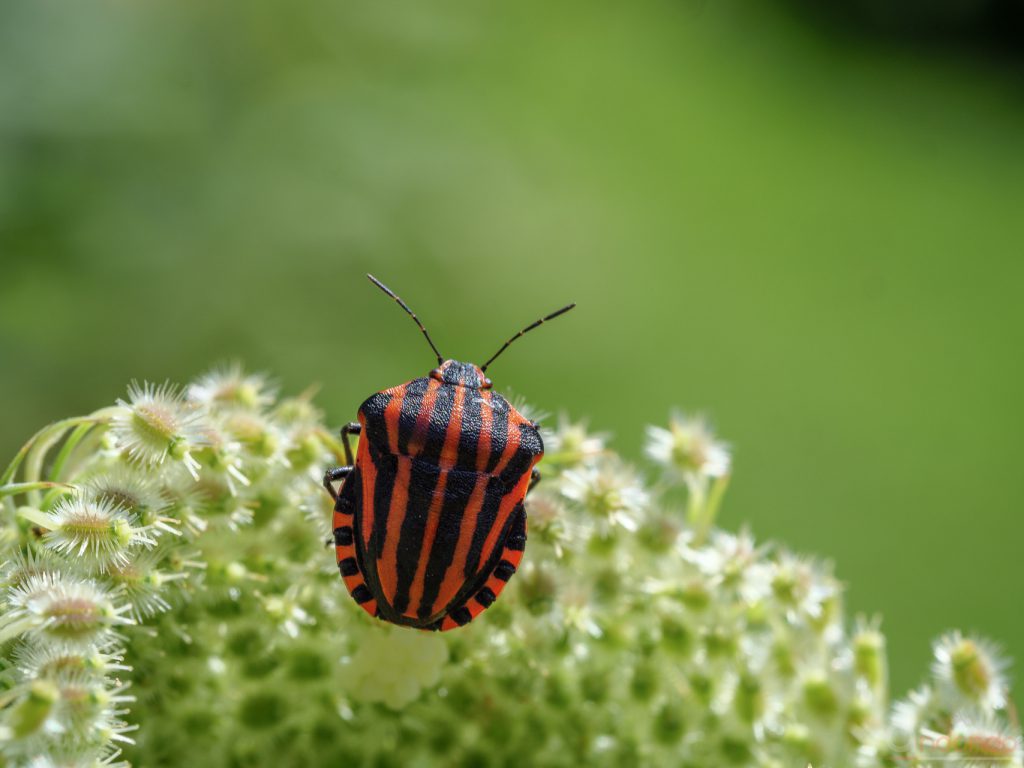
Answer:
(820, 696)
(157, 423)
(262, 709)
(230, 387)
(65, 610)
(669, 724)
(644, 683)
(676, 637)
(97, 532)
(749, 699)
(869, 656)
(970, 669)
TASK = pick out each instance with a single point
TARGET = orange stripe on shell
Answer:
(387, 566)
(433, 519)
(453, 579)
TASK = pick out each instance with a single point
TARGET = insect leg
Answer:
(511, 556)
(330, 477)
(333, 475)
(352, 428)
(534, 479)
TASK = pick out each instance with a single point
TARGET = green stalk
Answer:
(69, 445)
(13, 489)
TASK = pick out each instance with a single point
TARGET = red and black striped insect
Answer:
(429, 523)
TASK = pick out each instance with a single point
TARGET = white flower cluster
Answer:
(962, 717)
(102, 516)
(397, 668)
(634, 632)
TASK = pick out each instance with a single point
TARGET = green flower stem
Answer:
(14, 489)
(69, 445)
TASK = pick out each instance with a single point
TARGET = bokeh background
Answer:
(808, 225)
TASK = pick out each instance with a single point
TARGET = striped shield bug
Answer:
(429, 522)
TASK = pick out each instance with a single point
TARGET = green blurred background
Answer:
(809, 227)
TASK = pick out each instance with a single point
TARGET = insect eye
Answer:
(486, 384)
(436, 374)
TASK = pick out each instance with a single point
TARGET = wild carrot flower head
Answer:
(66, 610)
(970, 670)
(911, 713)
(230, 386)
(133, 490)
(571, 443)
(688, 448)
(157, 423)
(23, 565)
(51, 660)
(141, 582)
(630, 634)
(99, 531)
(611, 492)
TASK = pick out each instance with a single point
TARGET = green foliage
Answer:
(166, 571)
(813, 235)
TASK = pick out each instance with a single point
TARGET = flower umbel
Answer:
(156, 423)
(572, 444)
(98, 532)
(689, 451)
(230, 385)
(610, 492)
(688, 448)
(89, 559)
(63, 611)
(632, 633)
(970, 670)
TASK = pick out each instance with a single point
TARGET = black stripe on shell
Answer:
(499, 430)
(361, 594)
(343, 536)
(504, 570)
(469, 434)
(387, 470)
(457, 492)
(437, 425)
(372, 411)
(412, 401)
(483, 524)
(423, 480)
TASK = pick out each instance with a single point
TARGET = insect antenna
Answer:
(403, 305)
(527, 329)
